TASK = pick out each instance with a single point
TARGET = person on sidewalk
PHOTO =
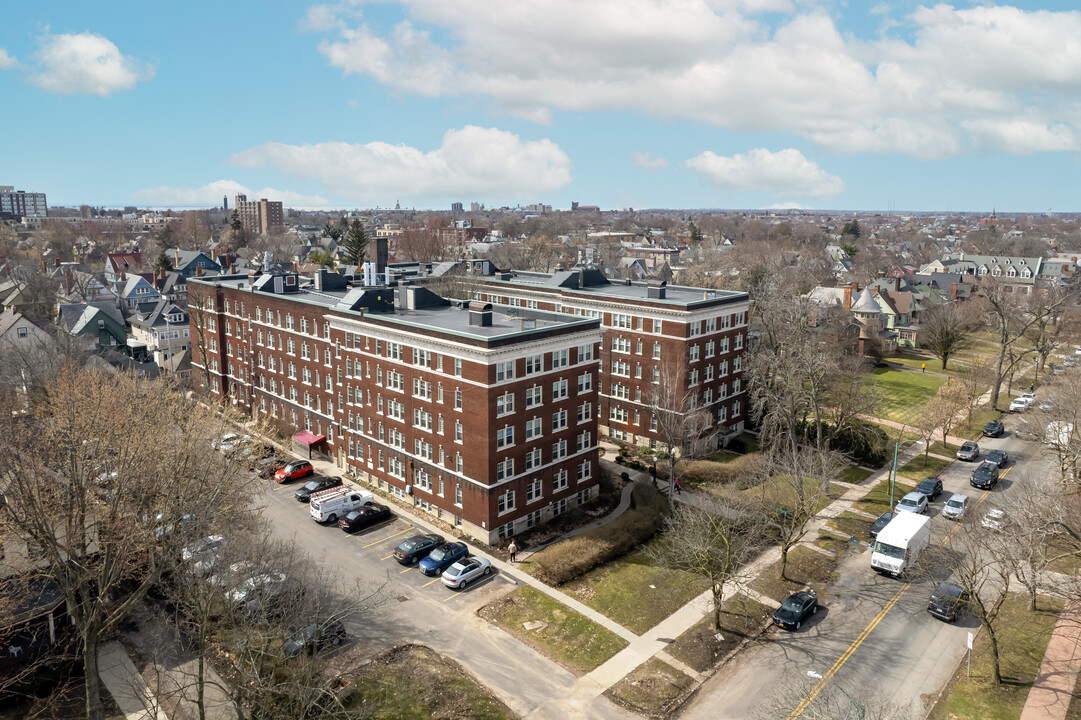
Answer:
(513, 550)
(678, 488)
(923, 367)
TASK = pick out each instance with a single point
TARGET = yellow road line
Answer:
(429, 583)
(821, 684)
(407, 569)
(387, 538)
(360, 535)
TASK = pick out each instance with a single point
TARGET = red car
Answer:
(294, 471)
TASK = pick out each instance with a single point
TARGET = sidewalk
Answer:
(122, 680)
(1051, 692)
(624, 503)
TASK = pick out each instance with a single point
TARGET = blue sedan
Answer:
(443, 557)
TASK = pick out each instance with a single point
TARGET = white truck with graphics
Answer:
(899, 544)
(329, 505)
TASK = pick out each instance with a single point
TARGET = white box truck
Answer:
(899, 544)
(329, 505)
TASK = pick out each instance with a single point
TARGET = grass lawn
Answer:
(914, 358)
(856, 475)
(635, 593)
(902, 393)
(1066, 558)
(920, 467)
(741, 617)
(723, 456)
(1022, 639)
(907, 437)
(805, 567)
(568, 638)
(851, 525)
(783, 494)
(415, 683)
(831, 542)
(651, 688)
(974, 428)
(877, 501)
(947, 449)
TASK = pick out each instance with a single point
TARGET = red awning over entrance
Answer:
(308, 438)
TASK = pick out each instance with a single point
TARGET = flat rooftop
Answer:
(675, 295)
(507, 323)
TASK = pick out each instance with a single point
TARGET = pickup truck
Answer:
(329, 505)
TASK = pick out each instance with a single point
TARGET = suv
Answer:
(968, 451)
(314, 637)
(931, 487)
(994, 428)
(985, 476)
(947, 601)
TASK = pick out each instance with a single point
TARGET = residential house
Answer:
(194, 262)
(125, 264)
(136, 290)
(172, 285)
(159, 331)
(100, 323)
(1020, 272)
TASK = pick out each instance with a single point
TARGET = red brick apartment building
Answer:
(486, 418)
(653, 333)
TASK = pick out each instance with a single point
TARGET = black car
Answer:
(364, 516)
(304, 494)
(883, 521)
(947, 601)
(985, 476)
(995, 428)
(930, 487)
(314, 637)
(998, 457)
(797, 608)
(410, 551)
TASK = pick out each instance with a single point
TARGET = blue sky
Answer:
(617, 103)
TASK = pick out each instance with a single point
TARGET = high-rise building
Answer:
(456, 207)
(264, 217)
(18, 204)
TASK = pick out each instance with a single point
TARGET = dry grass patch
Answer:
(651, 689)
(806, 568)
(706, 473)
(700, 647)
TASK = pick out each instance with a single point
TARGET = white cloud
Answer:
(726, 63)
(211, 194)
(7, 61)
(471, 161)
(783, 172)
(649, 161)
(85, 63)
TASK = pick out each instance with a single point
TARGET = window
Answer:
(585, 383)
(585, 412)
(619, 414)
(709, 373)
(559, 481)
(585, 440)
(422, 358)
(459, 464)
(533, 459)
(394, 351)
(559, 450)
(656, 351)
(692, 378)
(559, 420)
(504, 437)
(458, 495)
(504, 470)
(737, 363)
(722, 368)
(622, 345)
(457, 399)
(622, 321)
(559, 358)
(585, 470)
(395, 380)
(585, 352)
(533, 428)
(534, 364)
(533, 396)
(736, 408)
(422, 419)
(504, 371)
(621, 368)
(457, 431)
(422, 389)
(506, 502)
(693, 354)
(533, 491)
(739, 341)
(504, 404)
(711, 325)
(694, 329)
(559, 390)
(458, 367)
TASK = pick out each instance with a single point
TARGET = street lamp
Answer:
(860, 708)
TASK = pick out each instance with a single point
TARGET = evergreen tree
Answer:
(696, 234)
(164, 262)
(355, 242)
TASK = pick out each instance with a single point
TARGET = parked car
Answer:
(363, 517)
(994, 429)
(466, 571)
(947, 601)
(1021, 404)
(199, 549)
(985, 476)
(315, 637)
(313, 486)
(442, 557)
(956, 507)
(230, 441)
(914, 502)
(993, 519)
(256, 588)
(998, 457)
(797, 608)
(294, 471)
(412, 549)
(930, 487)
(326, 506)
(968, 451)
(882, 521)
(167, 529)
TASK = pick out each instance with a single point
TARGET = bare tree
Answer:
(815, 698)
(201, 313)
(713, 541)
(684, 425)
(945, 330)
(976, 376)
(109, 475)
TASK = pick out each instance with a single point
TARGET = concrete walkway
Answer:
(124, 683)
(1051, 692)
(624, 503)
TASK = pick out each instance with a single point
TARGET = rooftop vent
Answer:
(656, 289)
(480, 314)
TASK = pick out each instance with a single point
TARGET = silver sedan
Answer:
(466, 571)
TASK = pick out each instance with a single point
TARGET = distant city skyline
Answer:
(753, 104)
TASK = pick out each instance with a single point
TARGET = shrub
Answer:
(636, 465)
(625, 476)
(571, 558)
(646, 450)
(870, 446)
(709, 472)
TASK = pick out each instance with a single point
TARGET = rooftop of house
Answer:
(413, 306)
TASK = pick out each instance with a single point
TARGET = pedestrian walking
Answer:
(513, 550)
(923, 367)
(678, 488)
(1031, 387)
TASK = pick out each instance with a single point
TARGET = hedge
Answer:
(568, 559)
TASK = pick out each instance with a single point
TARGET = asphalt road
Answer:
(416, 608)
(874, 636)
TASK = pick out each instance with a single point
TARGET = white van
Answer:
(329, 505)
(899, 544)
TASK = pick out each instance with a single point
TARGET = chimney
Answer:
(953, 291)
(198, 271)
(897, 284)
(44, 266)
(161, 273)
(847, 302)
(56, 262)
(123, 277)
(232, 269)
(480, 313)
(68, 282)
(176, 258)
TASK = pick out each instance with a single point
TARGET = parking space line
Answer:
(388, 557)
(430, 582)
(870, 627)
(407, 569)
(482, 583)
(384, 526)
(387, 538)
